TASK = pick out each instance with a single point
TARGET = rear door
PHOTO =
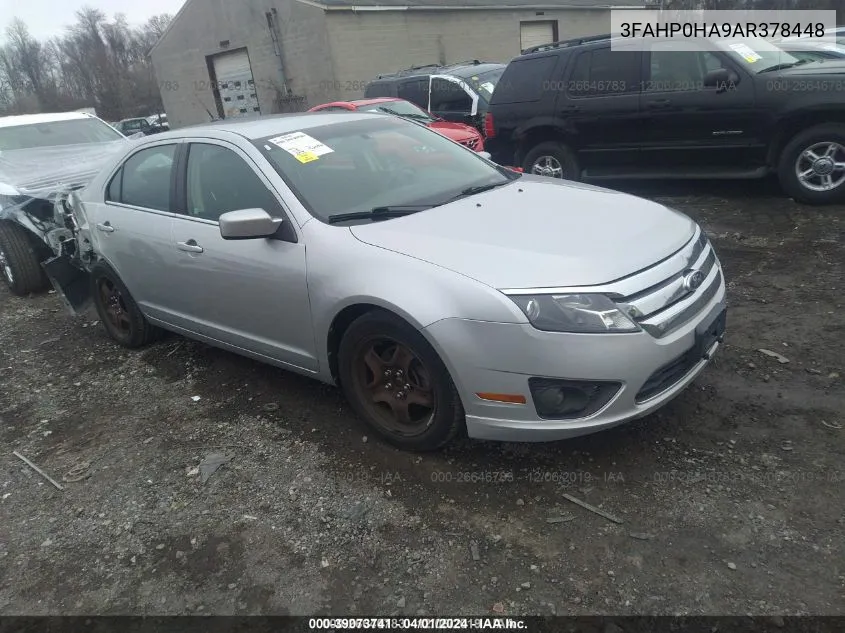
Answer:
(132, 228)
(414, 90)
(692, 127)
(598, 106)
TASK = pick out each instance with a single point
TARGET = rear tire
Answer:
(20, 264)
(552, 159)
(397, 383)
(811, 168)
(118, 311)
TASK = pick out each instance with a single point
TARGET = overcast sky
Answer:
(47, 18)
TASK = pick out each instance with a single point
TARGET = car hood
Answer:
(454, 131)
(538, 232)
(40, 172)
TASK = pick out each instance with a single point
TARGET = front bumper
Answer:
(485, 357)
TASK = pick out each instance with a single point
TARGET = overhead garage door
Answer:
(537, 33)
(236, 84)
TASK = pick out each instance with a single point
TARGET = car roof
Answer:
(259, 127)
(35, 119)
(459, 69)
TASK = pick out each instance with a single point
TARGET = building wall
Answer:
(180, 57)
(367, 43)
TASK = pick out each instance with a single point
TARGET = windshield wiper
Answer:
(471, 191)
(379, 213)
(785, 65)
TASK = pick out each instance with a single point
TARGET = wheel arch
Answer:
(797, 122)
(541, 133)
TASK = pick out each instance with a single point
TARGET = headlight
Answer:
(587, 314)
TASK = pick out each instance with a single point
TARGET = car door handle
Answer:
(658, 104)
(190, 246)
(105, 227)
(571, 108)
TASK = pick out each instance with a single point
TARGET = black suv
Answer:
(459, 92)
(598, 108)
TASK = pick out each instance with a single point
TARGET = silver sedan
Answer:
(443, 293)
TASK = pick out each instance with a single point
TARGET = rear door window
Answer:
(604, 72)
(448, 96)
(526, 80)
(146, 178)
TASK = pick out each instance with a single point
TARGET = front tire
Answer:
(397, 383)
(118, 311)
(812, 165)
(552, 159)
(20, 265)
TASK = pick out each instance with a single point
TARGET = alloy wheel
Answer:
(821, 167)
(548, 166)
(115, 307)
(394, 386)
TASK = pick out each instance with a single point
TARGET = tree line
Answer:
(98, 63)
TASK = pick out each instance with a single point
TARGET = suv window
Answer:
(377, 89)
(525, 80)
(447, 96)
(220, 181)
(415, 91)
(145, 179)
(674, 70)
(603, 71)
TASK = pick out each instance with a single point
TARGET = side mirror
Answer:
(486, 155)
(248, 224)
(720, 79)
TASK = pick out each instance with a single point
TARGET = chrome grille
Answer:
(668, 304)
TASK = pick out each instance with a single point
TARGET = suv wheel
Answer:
(20, 266)
(812, 165)
(552, 159)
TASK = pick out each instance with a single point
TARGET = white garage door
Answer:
(237, 87)
(536, 33)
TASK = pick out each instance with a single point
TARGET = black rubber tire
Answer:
(560, 152)
(140, 332)
(23, 260)
(448, 418)
(834, 132)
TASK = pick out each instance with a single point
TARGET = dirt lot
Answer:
(732, 497)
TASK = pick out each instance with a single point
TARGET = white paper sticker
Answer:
(488, 86)
(746, 52)
(302, 147)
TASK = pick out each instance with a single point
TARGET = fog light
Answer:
(569, 399)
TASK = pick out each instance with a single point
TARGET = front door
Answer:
(248, 293)
(451, 99)
(696, 128)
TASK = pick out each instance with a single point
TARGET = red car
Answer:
(458, 132)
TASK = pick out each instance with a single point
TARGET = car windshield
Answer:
(56, 133)
(485, 83)
(758, 55)
(358, 166)
(398, 108)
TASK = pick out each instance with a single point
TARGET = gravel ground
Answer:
(731, 499)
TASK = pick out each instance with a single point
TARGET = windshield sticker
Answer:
(475, 77)
(488, 86)
(746, 52)
(302, 147)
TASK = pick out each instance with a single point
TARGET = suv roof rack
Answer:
(414, 69)
(568, 43)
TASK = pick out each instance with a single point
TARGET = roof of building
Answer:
(402, 5)
(35, 119)
(418, 5)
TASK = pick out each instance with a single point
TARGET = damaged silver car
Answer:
(43, 158)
